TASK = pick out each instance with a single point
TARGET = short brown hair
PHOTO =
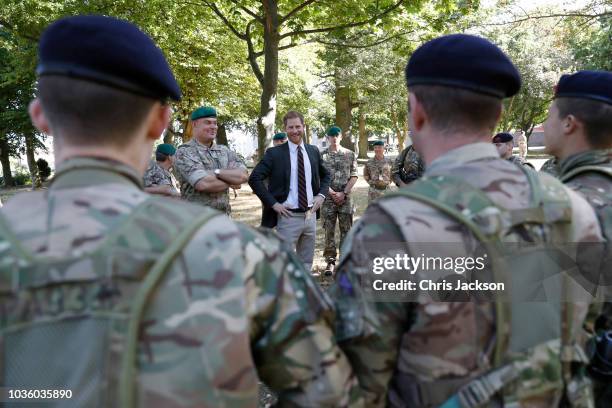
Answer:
(596, 117)
(453, 108)
(292, 115)
(88, 113)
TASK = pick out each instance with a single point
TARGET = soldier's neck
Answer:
(333, 148)
(434, 144)
(128, 156)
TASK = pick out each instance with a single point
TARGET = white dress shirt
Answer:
(292, 198)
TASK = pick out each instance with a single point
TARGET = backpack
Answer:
(77, 330)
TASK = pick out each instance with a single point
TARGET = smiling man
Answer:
(207, 170)
(298, 183)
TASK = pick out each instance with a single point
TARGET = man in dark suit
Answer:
(297, 185)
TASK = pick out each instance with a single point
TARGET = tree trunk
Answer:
(363, 135)
(343, 113)
(7, 174)
(222, 135)
(29, 142)
(267, 107)
(307, 134)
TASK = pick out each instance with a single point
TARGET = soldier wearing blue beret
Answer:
(146, 301)
(411, 348)
(578, 131)
(504, 142)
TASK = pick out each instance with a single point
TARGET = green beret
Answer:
(166, 149)
(379, 143)
(334, 131)
(279, 136)
(204, 112)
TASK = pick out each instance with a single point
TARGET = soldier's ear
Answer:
(158, 120)
(570, 124)
(38, 117)
(417, 113)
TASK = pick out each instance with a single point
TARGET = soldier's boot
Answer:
(331, 266)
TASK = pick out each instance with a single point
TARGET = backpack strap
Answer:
(462, 201)
(127, 388)
(606, 171)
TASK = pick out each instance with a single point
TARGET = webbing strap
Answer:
(606, 171)
(127, 387)
(427, 190)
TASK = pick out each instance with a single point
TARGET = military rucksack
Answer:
(73, 323)
(521, 351)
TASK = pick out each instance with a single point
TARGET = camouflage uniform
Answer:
(378, 175)
(551, 167)
(516, 160)
(342, 165)
(426, 351)
(596, 187)
(228, 298)
(194, 161)
(156, 175)
(407, 167)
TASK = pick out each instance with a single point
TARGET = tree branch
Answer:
(295, 11)
(349, 25)
(349, 45)
(249, 12)
(229, 25)
(284, 47)
(252, 54)
(528, 17)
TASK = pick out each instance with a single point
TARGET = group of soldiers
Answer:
(127, 298)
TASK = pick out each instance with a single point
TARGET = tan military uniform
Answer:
(342, 165)
(426, 350)
(195, 161)
(224, 300)
(378, 175)
(156, 175)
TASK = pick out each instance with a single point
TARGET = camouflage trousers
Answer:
(374, 193)
(331, 212)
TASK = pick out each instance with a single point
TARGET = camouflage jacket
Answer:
(516, 160)
(233, 305)
(551, 167)
(597, 189)
(341, 164)
(378, 173)
(426, 348)
(156, 175)
(194, 161)
(407, 167)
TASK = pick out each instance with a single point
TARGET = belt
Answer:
(299, 210)
(381, 189)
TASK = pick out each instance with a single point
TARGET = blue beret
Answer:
(595, 85)
(107, 50)
(379, 143)
(204, 112)
(464, 61)
(503, 137)
(280, 136)
(166, 149)
(333, 131)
